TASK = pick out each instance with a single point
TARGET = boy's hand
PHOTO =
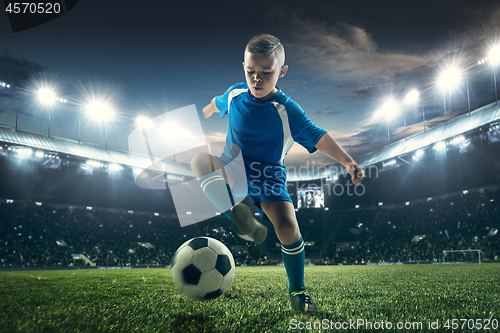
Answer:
(357, 173)
(210, 109)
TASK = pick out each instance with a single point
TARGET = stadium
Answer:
(85, 248)
(429, 199)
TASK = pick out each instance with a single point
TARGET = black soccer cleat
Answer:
(245, 224)
(302, 302)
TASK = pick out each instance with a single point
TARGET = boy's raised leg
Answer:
(208, 170)
(216, 183)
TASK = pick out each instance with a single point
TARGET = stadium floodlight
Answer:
(25, 152)
(102, 112)
(114, 167)
(419, 153)
(99, 110)
(494, 55)
(494, 59)
(411, 98)
(389, 110)
(440, 146)
(46, 96)
(93, 163)
(448, 80)
(457, 140)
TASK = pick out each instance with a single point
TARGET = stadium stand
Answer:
(47, 236)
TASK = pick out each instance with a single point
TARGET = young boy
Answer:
(264, 122)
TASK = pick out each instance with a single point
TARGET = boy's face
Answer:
(262, 72)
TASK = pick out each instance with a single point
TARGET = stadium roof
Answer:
(459, 125)
(86, 150)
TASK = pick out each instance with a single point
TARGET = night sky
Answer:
(344, 58)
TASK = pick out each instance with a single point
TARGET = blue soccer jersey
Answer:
(265, 132)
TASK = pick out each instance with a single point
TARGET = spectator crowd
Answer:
(34, 235)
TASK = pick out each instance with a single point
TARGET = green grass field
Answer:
(146, 300)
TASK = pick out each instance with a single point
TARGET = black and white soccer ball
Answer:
(203, 268)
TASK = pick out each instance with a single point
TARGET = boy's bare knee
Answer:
(202, 164)
(287, 229)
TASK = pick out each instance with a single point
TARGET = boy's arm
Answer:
(210, 109)
(332, 149)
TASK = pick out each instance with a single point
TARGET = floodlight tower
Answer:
(101, 112)
(411, 98)
(47, 97)
(389, 110)
(494, 58)
(448, 80)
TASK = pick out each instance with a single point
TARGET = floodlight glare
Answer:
(46, 96)
(494, 55)
(172, 129)
(458, 140)
(412, 97)
(3, 84)
(440, 146)
(99, 110)
(449, 79)
(389, 110)
(114, 167)
(25, 152)
(142, 121)
(93, 163)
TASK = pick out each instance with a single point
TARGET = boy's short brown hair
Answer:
(268, 44)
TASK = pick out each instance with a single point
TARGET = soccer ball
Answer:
(203, 268)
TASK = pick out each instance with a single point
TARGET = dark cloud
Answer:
(16, 71)
(24, 75)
